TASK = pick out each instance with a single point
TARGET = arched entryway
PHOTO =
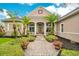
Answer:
(40, 28)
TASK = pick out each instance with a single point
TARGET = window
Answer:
(48, 29)
(62, 29)
(48, 25)
(40, 11)
(31, 27)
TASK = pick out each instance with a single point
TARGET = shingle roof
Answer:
(73, 12)
(11, 20)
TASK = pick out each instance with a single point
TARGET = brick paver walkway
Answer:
(40, 47)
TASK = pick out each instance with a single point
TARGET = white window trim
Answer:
(55, 28)
(8, 26)
(31, 26)
(48, 27)
(60, 27)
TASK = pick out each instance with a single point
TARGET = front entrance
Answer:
(40, 28)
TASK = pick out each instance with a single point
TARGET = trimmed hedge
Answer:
(2, 33)
(50, 38)
(31, 38)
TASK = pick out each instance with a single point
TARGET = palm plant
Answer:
(25, 21)
(18, 28)
(13, 17)
(52, 18)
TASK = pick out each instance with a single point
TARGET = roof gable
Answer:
(36, 11)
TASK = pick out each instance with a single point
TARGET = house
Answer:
(68, 26)
(38, 24)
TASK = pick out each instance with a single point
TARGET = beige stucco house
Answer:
(68, 26)
(38, 25)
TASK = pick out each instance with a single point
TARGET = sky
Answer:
(22, 9)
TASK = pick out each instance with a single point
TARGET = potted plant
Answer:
(57, 44)
(24, 42)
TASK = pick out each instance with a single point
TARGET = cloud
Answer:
(52, 9)
(61, 10)
(3, 14)
(30, 4)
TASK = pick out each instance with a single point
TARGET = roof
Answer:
(37, 8)
(18, 19)
(10, 20)
(73, 12)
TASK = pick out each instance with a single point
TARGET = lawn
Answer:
(9, 47)
(4, 40)
(66, 52)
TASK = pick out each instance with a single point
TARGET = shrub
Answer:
(50, 38)
(66, 52)
(31, 38)
(16, 33)
(2, 33)
(23, 42)
(9, 49)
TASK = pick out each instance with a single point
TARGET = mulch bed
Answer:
(68, 45)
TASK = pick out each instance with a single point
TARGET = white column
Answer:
(8, 27)
(55, 29)
(44, 28)
(35, 28)
(21, 28)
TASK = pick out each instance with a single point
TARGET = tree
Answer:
(52, 18)
(25, 21)
(18, 28)
(13, 17)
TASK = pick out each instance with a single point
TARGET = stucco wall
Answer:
(8, 26)
(36, 17)
(71, 28)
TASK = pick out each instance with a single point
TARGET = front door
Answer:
(40, 28)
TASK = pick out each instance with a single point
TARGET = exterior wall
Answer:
(36, 18)
(35, 12)
(8, 26)
(71, 28)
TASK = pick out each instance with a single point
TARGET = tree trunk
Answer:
(14, 27)
(52, 28)
(24, 30)
(27, 30)
(19, 31)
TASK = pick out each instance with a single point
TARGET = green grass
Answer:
(10, 47)
(4, 40)
(66, 52)
(11, 50)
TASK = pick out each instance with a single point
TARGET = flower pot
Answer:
(57, 44)
(24, 45)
